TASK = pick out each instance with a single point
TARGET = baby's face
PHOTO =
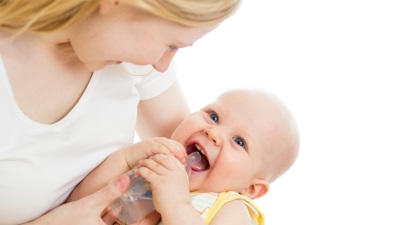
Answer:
(233, 134)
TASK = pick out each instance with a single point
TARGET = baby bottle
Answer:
(137, 201)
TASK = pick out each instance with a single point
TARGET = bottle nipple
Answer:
(193, 157)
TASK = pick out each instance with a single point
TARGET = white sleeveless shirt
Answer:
(40, 164)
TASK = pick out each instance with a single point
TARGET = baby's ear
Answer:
(257, 189)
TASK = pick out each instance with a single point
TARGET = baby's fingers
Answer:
(175, 148)
(161, 164)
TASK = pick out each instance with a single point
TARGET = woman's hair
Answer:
(51, 15)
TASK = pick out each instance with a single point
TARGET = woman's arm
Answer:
(159, 116)
(88, 210)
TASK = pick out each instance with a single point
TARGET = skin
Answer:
(121, 162)
(47, 92)
(124, 160)
(121, 35)
(115, 33)
(89, 207)
(232, 142)
(244, 155)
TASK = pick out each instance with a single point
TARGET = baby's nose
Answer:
(214, 134)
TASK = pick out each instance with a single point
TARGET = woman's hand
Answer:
(88, 210)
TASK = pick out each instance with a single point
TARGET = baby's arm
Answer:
(171, 197)
(232, 213)
(122, 161)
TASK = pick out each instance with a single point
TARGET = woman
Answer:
(73, 80)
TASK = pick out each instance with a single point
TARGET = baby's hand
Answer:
(158, 145)
(168, 180)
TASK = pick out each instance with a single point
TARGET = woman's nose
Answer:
(214, 134)
(163, 63)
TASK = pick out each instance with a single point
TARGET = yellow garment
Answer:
(208, 205)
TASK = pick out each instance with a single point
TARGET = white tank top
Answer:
(40, 164)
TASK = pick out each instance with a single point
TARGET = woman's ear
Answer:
(256, 190)
(106, 5)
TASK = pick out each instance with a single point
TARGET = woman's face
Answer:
(119, 33)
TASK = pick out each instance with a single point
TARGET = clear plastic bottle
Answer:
(137, 201)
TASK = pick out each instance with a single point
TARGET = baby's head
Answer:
(248, 139)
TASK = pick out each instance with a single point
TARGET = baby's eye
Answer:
(239, 141)
(214, 117)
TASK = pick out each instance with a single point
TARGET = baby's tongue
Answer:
(201, 165)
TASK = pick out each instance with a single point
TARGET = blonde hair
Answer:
(52, 15)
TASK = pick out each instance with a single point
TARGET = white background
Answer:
(337, 66)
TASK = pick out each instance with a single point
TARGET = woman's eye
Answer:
(172, 48)
(214, 117)
(239, 141)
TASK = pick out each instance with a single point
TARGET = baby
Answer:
(247, 139)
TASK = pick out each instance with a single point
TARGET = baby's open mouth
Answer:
(203, 164)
